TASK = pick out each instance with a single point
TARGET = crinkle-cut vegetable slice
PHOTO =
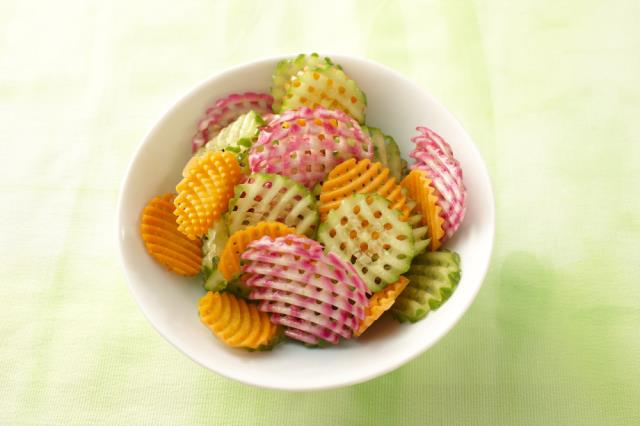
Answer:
(227, 110)
(287, 68)
(164, 242)
(235, 322)
(367, 232)
(212, 245)
(432, 278)
(386, 151)
(304, 144)
(380, 302)
(272, 198)
(238, 137)
(428, 138)
(317, 296)
(229, 264)
(420, 231)
(328, 87)
(203, 195)
(435, 157)
(422, 192)
(361, 177)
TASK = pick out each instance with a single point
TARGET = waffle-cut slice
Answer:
(287, 68)
(230, 259)
(305, 144)
(432, 278)
(272, 198)
(420, 232)
(386, 151)
(380, 302)
(238, 137)
(164, 242)
(422, 192)
(225, 111)
(235, 322)
(328, 87)
(212, 245)
(317, 296)
(367, 232)
(204, 194)
(361, 177)
(434, 156)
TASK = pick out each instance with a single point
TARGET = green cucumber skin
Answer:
(386, 151)
(212, 247)
(214, 281)
(433, 277)
(237, 138)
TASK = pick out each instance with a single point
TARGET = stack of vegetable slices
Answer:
(303, 222)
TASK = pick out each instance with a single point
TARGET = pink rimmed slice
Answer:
(434, 156)
(305, 144)
(226, 110)
(316, 296)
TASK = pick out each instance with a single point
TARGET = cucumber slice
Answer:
(212, 246)
(366, 231)
(225, 111)
(238, 137)
(328, 87)
(237, 287)
(273, 198)
(432, 278)
(420, 233)
(287, 68)
(405, 167)
(387, 152)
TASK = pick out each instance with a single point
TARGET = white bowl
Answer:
(169, 302)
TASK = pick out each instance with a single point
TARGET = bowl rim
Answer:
(409, 356)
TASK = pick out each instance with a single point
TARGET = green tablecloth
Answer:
(549, 90)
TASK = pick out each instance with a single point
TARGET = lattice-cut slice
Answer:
(328, 87)
(287, 68)
(380, 302)
(386, 151)
(367, 232)
(237, 138)
(305, 144)
(317, 296)
(230, 258)
(434, 156)
(422, 192)
(272, 198)
(432, 278)
(361, 177)
(420, 230)
(227, 110)
(237, 323)
(212, 245)
(203, 195)
(164, 242)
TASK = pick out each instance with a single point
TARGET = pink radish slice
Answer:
(319, 332)
(434, 156)
(225, 111)
(272, 294)
(305, 144)
(313, 294)
(282, 308)
(301, 336)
